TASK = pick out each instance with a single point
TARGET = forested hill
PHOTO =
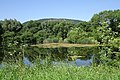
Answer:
(60, 19)
(60, 30)
(56, 20)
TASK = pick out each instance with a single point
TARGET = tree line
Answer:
(59, 30)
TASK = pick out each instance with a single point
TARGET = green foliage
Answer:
(10, 30)
(21, 72)
(40, 36)
(8, 37)
(1, 32)
(11, 25)
(77, 35)
(105, 34)
(42, 30)
(112, 17)
(110, 52)
(27, 37)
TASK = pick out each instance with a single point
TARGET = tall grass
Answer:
(37, 72)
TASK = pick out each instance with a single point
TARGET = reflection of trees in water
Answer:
(86, 52)
(1, 55)
(59, 54)
(11, 54)
(62, 53)
(52, 53)
(31, 53)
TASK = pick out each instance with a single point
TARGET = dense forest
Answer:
(61, 30)
(102, 29)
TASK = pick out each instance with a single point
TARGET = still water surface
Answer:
(77, 56)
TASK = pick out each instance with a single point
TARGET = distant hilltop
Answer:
(58, 19)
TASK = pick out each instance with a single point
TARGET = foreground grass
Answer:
(60, 73)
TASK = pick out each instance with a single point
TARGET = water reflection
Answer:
(56, 56)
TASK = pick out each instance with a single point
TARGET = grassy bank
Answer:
(54, 45)
(60, 73)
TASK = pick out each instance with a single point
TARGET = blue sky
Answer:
(24, 10)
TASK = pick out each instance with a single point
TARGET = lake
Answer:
(30, 55)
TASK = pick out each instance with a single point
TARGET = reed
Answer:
(61, 72)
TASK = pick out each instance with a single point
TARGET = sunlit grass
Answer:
(54, 45)
(38, 72)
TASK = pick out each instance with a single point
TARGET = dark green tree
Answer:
(1, 32)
